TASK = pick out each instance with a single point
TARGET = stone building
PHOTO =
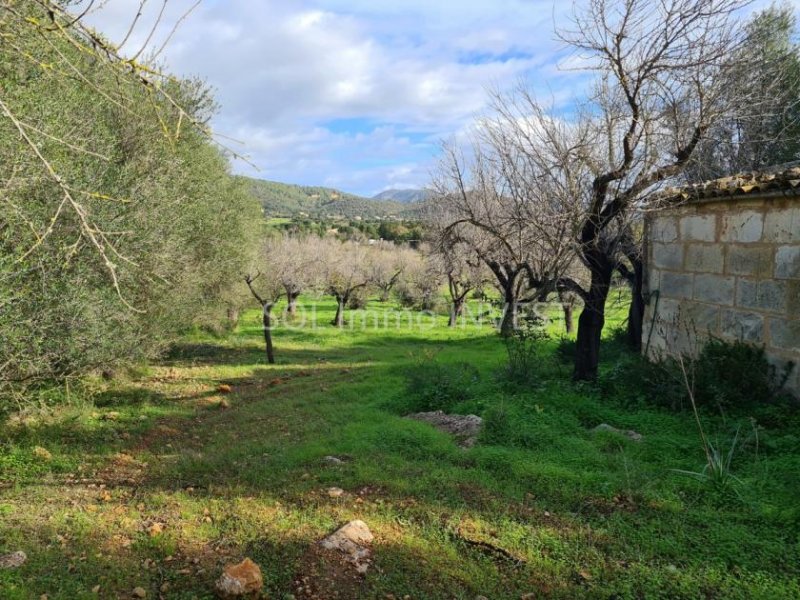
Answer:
(723, 259)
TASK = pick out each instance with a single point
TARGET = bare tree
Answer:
(465, 272)
(512, 200)
(422, 280)
(266, 285)
(293, 260)
(385, 265)
(663, 68)
(344, 269)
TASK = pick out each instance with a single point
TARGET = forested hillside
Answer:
(406, 196)
(288, 200)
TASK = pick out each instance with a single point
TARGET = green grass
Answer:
(583, 515)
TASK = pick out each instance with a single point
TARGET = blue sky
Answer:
(356, 94)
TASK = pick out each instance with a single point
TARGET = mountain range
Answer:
(291, 200)
(406, 196)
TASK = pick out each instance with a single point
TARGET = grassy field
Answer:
(158, 479)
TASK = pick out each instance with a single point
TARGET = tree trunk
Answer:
(509, 322)
(592, 319)
(291, 299)
(341, 302)
(636, 310)
(233, 316)
(456, 311)
(568, 309)
(267, 310)
(385, 294)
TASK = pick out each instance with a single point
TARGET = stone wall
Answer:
(728, 268)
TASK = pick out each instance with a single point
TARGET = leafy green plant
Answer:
(523, 348)
(717, 470)
(734, 375)
(436, 386)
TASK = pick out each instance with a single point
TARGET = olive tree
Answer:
(120, 224)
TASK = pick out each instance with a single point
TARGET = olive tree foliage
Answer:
(765, 131)
(119, 224)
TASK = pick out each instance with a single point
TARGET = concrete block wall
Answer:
(727, 268)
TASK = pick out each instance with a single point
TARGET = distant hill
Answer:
(406, 196)
(289, 200)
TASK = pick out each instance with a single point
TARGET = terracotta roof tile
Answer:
(785, 180)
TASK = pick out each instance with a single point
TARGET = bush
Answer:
(734, 375)
(358, 299)
(434, 386)
(523, 349)
(634, 379)
(725, 376)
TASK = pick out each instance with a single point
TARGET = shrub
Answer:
(523, 349)
(634, 379)
(734, 375)
(565, 349)
(435, 386)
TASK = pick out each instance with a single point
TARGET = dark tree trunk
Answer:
(233, 316)
(456, 311)
(636, 310)
(341, 303)
(267, 318)
(385, 294)
(592, 319)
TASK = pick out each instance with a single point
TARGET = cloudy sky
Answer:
(353, 94)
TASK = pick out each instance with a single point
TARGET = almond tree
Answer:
(266, 285)
(422, 280)
(465, 272)
(294, 262)
(385, 265)
(504, 199)
(270, 294)
(344, 272)
(662, 72)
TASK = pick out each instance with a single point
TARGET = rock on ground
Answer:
(335, 566)
(351, 540)
(629, 433)
(464, 427)
(240, 580)
(13, 560)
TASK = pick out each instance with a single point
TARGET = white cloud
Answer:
(393, 76)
